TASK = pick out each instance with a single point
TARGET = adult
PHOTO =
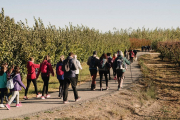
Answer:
(110, 62)
(119, 65)
(93, 63)
(135, 54)
(3, 82)
(69, 68)
(131, 54)
(126, 53)
(31, 77)
(79, 67)
(114, 70)
(60, 76)
(103, 69)
(45, 70)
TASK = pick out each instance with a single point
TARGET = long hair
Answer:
(15, 71)
(47, 57)
(103, 56)
(61, 58)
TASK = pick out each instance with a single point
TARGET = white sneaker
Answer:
(2, 106)
(38, 96)
(42, 97)
(48, 96)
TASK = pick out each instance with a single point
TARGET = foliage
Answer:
(138, 43)
(19, 41)
(170, 50)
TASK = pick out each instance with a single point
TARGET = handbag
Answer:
(10, 84)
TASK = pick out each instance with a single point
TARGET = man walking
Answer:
(69, 68)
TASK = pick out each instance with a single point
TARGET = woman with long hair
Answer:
(103, 69)
(45, 70)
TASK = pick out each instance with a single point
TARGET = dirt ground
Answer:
(155, 96)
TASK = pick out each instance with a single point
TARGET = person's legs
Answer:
(28, 84)
(47, 84)
(73, 84)
(61, 88)
(2, 94)
(14, 94)
(121, 80)
(35, 85)
(101, 76)
(66, 85)
(76, 79)
(44, 87)
(93, 76)
(17, 97)
(105, 74)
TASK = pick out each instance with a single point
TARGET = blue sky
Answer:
(99, 14)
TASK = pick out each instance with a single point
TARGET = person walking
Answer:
(3, 82)
(17, 87)
(45, 70)
(114, 70)
(103, 69)
(135, 54)
(120, 65)
(93, 63)
(60, 76)
(110, 62)
(31, 77)
(79, 67)
(131, 54)
(69, 68)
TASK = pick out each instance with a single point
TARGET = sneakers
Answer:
(39, 95)
(115, 78)
(118, 88)
(101, 89)
(25, 98)
(2, 106)
(8, 106)
(107, 88)
(18, 105)
(79, 98)
(42, 97)
(48, 96)
(65, 102)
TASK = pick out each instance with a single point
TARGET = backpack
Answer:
(102, 64)
(10, 84)
(120, 64)
(44, 68)
(59, 70)
(132, 54)
(66, 66)
(93, 62)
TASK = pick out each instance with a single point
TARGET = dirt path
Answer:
(33, 106)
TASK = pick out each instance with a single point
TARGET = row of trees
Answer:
(170, 50)
(138, 43)
(19, 41)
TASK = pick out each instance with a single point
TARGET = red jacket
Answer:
(31, 68)
(49, 69)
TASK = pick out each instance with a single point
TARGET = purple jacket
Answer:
(18, 83)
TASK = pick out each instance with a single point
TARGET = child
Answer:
(17, 87)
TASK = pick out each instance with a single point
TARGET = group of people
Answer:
(145, 48)
(118, 63)
(67, 71)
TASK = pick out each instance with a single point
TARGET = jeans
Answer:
(61, 87)
(67, 81)
(28, 84)
(76, 79)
